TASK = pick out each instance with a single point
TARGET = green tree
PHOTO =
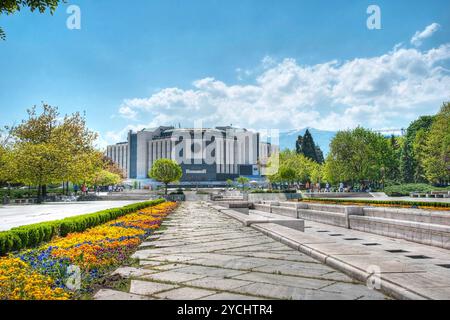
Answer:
(230, 183)
(393, 167)
(308, 146)
(105, 178)
(305, 145)
(243, 181)
(7, 164)
(289, 163)
(319, 155)
(358, 155)
(287, 174)
(409, 164)
(165, 171)
(49, 150)
(435, 155)
(317, 173)
(12, 6)
(298, 144)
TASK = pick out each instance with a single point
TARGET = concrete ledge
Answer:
(332, 218)
(285, 211)
(248, 220)
(262, 207)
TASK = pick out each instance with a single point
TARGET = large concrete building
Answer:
(204, 154)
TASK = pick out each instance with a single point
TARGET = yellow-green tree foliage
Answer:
(48, 149)
(165, 171)
(359, 155)
(435, 155)
(105, 178)
(294, 167)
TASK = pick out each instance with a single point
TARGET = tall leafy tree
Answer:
(435, 155)
(293, 167)
(358, 155)
(12, 6)
(308, 146)
(305, 145)
(3, 155)
(48, 150)
(409, 165)
(165, 171)
(298, 144)
(319, 155)
(243, 181)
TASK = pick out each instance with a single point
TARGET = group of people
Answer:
(85, 190)
(317, 187)
(115, 189)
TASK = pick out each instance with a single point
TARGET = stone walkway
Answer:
(204, 254)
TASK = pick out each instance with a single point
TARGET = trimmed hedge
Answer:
(385, 202)
(32, 235)
(405, 189)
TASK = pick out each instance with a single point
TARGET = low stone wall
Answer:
(332, 218)
(409, 215)
(285, 211)
(257, 197)
(196, 197)
(424, 233)
(262, 207)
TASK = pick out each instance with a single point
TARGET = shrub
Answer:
(405, 189)
(33, 235)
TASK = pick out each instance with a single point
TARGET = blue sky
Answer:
(281, 64)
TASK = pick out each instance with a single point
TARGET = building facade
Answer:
(204, 154)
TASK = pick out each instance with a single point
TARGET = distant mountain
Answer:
(321, 137)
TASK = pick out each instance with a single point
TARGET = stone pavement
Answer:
(203, 254)
(407, 269)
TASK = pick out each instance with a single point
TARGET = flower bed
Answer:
(440, 206)
(30, 236)
(42, 273)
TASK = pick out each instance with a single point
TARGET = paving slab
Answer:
(148, 288)
(185, 294)
(230, 296)
(204, 254)
(218, 283)
(107, 294)
(128, 272)
(173, 276)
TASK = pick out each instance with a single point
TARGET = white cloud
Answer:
(419, 36)
(379, 92)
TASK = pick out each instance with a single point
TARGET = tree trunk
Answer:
(39, 194)
(165, 185)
